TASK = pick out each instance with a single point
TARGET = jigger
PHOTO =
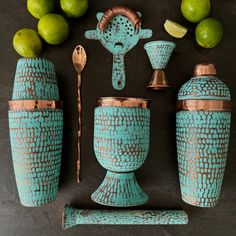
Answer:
(159, 53)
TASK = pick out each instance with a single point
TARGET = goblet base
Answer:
(119, 190)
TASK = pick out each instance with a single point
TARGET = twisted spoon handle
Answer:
(79, 127)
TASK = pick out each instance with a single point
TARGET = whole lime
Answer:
(74, 8)
(27, 43)
(53, 28)
(195, 10)
(39, 8)
(209, 33)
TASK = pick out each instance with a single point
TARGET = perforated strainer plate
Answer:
(119, 37)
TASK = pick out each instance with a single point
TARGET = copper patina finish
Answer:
(204, 105)
(158, 81)
(123, 102)
(79, 59)
(119, 10)
(34, 104)
(204, 69)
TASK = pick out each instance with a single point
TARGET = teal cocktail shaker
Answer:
(202, 130)
(36, 127)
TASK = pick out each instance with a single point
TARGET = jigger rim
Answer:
(158, 42)
(123, 102)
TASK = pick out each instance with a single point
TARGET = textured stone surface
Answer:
(74, 217)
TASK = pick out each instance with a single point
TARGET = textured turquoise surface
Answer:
(159, 53)
(121, 137)
(35, 79)
(119, 190)
(74, 217)
(202, 146)
(36, 145)
(118, 38)
(204, 87)
(121, 144)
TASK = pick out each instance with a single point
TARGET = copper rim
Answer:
(123, 102)
(119, 10)
(204, 105)
(34, 104)
(205, 69)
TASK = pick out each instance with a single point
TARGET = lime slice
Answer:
(174, 29)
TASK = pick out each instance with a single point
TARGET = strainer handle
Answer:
(118, 72)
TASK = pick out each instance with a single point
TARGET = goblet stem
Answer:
(119, 190)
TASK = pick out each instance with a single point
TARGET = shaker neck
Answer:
(205, 69)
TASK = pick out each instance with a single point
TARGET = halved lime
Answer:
(174, 29)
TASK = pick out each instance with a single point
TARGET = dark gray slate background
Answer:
(158, 176)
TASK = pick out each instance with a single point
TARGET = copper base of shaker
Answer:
(158, 81)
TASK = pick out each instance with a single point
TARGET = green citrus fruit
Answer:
(27, 43)
(209, 33)
(53, 28)
(195, 10)
(39, 8)
(74, 8)
(174, 29)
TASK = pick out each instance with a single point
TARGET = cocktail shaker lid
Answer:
(35, 79)
(204, 69)
(204, 85)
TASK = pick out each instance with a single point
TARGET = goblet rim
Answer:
(123, 102)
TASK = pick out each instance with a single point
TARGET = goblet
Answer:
(121, 144)
(159, 53)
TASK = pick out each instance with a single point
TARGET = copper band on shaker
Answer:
(34, 104)
(204, 105)
(123, 102)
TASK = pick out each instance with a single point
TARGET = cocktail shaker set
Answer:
(121, 131)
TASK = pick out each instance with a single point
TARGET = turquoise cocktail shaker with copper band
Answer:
(202, 130)
(36, 128)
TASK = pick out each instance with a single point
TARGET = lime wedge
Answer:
(174, 29)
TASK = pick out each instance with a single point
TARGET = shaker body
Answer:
(202, 146)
